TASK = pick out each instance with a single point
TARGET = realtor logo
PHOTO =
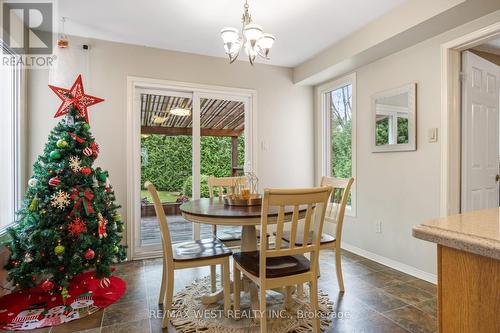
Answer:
(27, 27)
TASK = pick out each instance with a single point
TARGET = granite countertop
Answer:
(476, 232)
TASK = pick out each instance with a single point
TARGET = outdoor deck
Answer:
(181, 230)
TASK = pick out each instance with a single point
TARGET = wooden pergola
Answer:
(217, 118)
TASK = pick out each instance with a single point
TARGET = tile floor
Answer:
(377, 299)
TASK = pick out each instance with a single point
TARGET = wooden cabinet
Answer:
(468, 292)
(468, 270)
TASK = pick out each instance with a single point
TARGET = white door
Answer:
(480, 133)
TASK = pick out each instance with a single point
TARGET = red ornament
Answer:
(86, 170)
(61, 268)
(104, 282)
(89, 254)
(77, 138)
(75, 96)
(47, 285)
(95, 148)
(54, 181)
(101, 229)
(76, 227)
(87, 151)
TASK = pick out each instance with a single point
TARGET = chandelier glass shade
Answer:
(251, 38)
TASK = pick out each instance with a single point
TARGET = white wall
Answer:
(285, 117)
(401, 189)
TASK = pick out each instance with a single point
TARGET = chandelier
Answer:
(252, 39)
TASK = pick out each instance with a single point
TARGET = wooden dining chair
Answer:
(199, 253)
(224, 185)
(335, 214)
(277, 267)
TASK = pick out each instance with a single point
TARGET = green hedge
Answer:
(166, 160)
(187, 188)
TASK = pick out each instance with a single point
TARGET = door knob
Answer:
(497, 178)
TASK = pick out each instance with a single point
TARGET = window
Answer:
(10, 110)
(337, 133)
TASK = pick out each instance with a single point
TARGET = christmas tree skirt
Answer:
(35, 308)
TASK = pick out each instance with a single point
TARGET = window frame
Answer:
(19, 133)
(323, 133)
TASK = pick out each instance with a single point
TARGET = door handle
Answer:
(497, 178)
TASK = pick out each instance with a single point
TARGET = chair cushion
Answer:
(275, 266)
(200, 249)
(325, 238)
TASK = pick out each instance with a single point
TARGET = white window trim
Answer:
(323, 134)
(19, 148)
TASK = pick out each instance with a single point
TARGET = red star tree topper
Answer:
(75, 96)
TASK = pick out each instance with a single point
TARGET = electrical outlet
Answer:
(378, 227)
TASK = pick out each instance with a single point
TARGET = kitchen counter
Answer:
(475, 232)
(468, 260)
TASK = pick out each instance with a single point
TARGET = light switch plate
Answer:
(432, 135)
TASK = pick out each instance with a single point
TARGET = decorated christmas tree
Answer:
(69, 221)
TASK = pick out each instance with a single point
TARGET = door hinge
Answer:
(462, 76)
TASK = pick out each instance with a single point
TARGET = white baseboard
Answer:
(432, 278)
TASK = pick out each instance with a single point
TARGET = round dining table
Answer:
(213, 211)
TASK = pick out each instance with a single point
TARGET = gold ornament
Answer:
(59, 249)
(64, 295)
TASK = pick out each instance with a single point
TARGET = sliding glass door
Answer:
(166, 161)
(222, 144)
(185, 137)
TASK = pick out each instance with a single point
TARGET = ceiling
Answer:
(302, 27)
(492, 46)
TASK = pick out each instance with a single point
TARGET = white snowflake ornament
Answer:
(60, 199)
(75, 163)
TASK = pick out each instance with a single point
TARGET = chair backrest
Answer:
(231, 184)
(314, 201)
(162, 221)
(338, 201)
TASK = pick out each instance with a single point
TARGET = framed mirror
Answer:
(394, 119)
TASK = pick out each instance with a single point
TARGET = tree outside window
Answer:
(340, 104)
